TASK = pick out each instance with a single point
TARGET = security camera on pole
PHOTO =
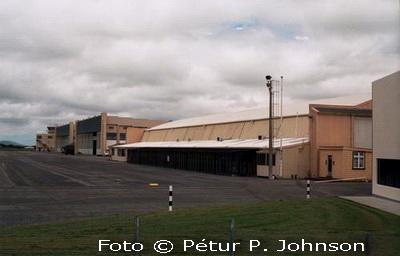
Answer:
(270, 137)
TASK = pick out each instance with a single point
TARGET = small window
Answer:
(388, 172)
(263, 159)
(50, 137)
(122, 136)
(358, 160)
(39, 136)
(112, 151)
(111, 136)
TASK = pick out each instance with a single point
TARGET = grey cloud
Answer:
(13, 121)
(174, 59)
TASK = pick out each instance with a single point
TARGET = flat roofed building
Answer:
(386, 136)
(95, 135)
(65, 135)
(341, 140)
(46, 141)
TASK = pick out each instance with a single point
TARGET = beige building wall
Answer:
(386, 129)
(134, 134)
(295, 162)
(342, 166)
(341, 127)
(334, 130)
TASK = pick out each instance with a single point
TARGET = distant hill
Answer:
(5, 143)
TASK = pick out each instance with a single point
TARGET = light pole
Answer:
(270, 137)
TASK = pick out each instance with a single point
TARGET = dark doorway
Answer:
(329, 164)
(95, 147)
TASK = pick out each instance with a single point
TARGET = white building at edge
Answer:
(386, 136)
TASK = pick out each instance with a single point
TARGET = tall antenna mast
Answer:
(281, 135)
(270, 136)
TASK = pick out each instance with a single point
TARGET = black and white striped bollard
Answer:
(308, 189)
(170, 198)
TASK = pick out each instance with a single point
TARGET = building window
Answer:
(389, 172)
(50, 137)
(39, 136)
(121, 152)
(122, 136)
(111, 136)
(358, 160)
(263, 159)
(112, 151)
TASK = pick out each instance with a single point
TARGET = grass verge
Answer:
(326, 220)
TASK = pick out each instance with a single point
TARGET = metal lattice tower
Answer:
(277, 108)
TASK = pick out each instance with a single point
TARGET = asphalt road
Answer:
(41, 186)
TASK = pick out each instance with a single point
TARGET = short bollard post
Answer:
(136, 253)
(231, 237)
(308, 189)
(170, 199)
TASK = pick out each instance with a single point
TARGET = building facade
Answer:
(65, 135)
(95, 135)
(133, 135)
(341, 141)
(46, 141)
(386, 136)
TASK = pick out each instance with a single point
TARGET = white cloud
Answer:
(302, 38)
(64, 60)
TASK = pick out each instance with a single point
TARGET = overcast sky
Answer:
(67, 60)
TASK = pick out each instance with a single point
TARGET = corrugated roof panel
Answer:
(146, 135)
(194, 133)
(252, 130)
(218, 131)
(207, 132)
(294, 126)
(233, 130)
(157, 135)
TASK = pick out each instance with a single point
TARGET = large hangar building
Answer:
(327, 138)
(228, 144)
